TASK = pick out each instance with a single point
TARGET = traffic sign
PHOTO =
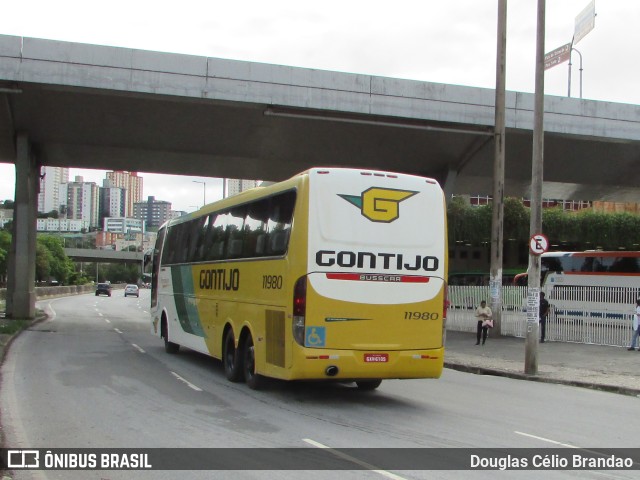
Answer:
(538, 244)
(585, 22)
(558, 56)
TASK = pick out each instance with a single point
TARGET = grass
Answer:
(11, 327)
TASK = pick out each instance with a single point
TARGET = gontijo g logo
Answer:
(379, 204)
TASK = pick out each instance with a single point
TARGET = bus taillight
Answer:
(299, 309)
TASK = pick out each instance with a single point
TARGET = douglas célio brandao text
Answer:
(567, 461)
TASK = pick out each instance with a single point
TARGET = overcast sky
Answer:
(451, 41)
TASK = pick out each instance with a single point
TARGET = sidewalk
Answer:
(612, 369)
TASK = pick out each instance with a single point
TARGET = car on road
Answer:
(103, 289)
(131, 289)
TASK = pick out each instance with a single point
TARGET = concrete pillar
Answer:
(21, 271)
(450, 184)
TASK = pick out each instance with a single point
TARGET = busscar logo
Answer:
(379, 204)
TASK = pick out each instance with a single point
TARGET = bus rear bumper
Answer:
(320, 364)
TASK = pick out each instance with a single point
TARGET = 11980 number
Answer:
(421, 316)
(272, 282)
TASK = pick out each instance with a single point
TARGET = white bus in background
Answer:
(594, 281)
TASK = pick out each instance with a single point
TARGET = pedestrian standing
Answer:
(636, 327)
(543, 312)
(484, 315)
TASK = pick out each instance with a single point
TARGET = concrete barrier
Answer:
(61, 291)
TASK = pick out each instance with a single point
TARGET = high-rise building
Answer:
(112, 201)
(49, 197)
(132, 183)
(153, 212)
(81, 201)
(235, 186)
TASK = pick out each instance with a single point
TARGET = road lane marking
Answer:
(99, 314)
(141, 350)
(187, 382)
(107, 320)
(546, 440)
(118, 331)
(591, 451)
(351, 459)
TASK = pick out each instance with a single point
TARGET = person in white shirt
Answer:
(485, 319)
(636, 328)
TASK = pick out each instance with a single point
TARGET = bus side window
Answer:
(279, 225)
(205, 239)
(254, 229)
(195, 233)
(169, 251)
(235, 232)
(214, 247)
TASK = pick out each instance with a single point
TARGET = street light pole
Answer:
(204, 191)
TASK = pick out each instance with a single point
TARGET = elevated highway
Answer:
(91, 106)
(88, 106)
(104, 256)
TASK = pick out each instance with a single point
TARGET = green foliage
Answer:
(5, 247)
(43, 262)
(61, 267)
(516, 220)
(115, 272)
(13, 326)
(584, 229)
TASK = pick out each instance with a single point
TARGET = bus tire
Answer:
(169, 347)
(230, 359)
(254, 381)
(368, 385)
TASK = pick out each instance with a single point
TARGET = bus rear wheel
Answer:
(253, 380)
(169, 347)
(368, 385)
(230, 358)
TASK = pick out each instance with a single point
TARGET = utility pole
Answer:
(535, 225)
(497, 220)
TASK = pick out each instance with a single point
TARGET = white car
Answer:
(131, 290)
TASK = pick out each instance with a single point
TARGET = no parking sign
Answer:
(538, 244)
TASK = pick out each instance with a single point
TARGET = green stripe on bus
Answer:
(185, 301)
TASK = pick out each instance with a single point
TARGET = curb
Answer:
(3, 353)
(634, 392)
(4, 348)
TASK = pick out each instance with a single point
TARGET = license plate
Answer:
(376, 357)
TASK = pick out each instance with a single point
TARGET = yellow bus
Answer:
(335, 274)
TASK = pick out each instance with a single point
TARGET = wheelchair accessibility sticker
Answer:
(315, 337)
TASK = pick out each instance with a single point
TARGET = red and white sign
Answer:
(376, 357)
(538, 244)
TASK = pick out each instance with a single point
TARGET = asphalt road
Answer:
(93, 376)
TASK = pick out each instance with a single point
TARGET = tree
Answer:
(5, 247)
(61, 266)
(43, 262)
(582, 230)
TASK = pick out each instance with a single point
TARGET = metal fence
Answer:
(572, 318)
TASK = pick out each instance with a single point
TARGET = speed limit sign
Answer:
(538, 244)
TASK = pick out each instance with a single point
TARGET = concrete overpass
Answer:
(86, 106)
(105, 256)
